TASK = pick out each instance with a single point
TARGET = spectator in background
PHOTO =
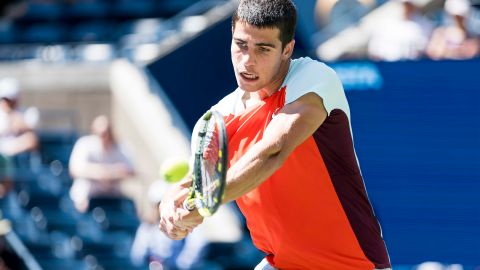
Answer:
(454, 41)
(152, 246)
(98, 165)
(404, 39)
(5, 176)
(341, 12)
(17, 126)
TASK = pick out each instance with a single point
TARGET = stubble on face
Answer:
(259, 61)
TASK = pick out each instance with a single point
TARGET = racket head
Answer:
(210, 166)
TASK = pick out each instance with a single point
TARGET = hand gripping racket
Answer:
(210, 165)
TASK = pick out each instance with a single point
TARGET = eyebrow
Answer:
(260, 44)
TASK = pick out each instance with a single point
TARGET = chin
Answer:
(249, 87)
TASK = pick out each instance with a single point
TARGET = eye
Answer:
(264, 49)
(241, 45)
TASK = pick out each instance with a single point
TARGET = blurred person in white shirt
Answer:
(98, 164)
(454, 41)
(16, 124)
(152, 246)
(404, 39)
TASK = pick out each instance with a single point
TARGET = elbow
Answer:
(75, 170)
(278, 155)
(73, 173)
(276, 152)
(279, 159)
(33, 140)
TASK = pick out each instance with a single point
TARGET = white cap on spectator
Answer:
(9, 88)
(413, 2)
(457, 7)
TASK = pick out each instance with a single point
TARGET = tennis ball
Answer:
(174, 169)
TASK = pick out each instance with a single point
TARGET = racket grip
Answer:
(189, 204)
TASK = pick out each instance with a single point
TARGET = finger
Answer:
(182, 213)
(163, 228)
(185, 218)
(189, 225)
(178, 234)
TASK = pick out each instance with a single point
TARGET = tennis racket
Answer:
(210, 165)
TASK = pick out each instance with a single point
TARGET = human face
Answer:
(7, 105)
(259, 62)
(106, 138)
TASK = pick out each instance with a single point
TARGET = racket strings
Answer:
(210, 154)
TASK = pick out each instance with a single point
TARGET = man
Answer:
(150, 245)
(98, 165)
(404, 38)
(16, 125)
(454, 41)
(293, 169)
(18, 139)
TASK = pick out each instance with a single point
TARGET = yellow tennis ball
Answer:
(174, 170)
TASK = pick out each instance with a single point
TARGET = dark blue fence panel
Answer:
(417, 134)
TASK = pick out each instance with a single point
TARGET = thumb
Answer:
(180, 214)
(187, 220)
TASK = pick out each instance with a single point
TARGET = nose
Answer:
(248, 59)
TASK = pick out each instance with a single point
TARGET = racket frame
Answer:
(195, 197)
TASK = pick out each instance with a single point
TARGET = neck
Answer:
(276, 82)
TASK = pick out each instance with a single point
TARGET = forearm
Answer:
(25, 142)
(100, 172)
(251, 170)
(119, 171)
(89, 170)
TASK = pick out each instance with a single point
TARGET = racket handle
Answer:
(189, 204)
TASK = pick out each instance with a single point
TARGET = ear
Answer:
(288, 50)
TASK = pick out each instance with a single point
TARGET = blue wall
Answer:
(417, 133)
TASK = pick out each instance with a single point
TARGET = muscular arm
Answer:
(291, 127)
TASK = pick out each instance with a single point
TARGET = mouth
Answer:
(248, 76)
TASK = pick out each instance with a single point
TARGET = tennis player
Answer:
(293, 168)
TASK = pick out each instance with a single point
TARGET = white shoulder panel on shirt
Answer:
(225, 107)
(228, 104)
(306, 75)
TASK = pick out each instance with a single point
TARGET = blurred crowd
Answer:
(421, 31)
(434, 29)
(97, 167)
(415, 36)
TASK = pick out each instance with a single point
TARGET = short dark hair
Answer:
(281, 14)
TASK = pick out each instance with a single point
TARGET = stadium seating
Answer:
(56, 234)
(45, 22)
